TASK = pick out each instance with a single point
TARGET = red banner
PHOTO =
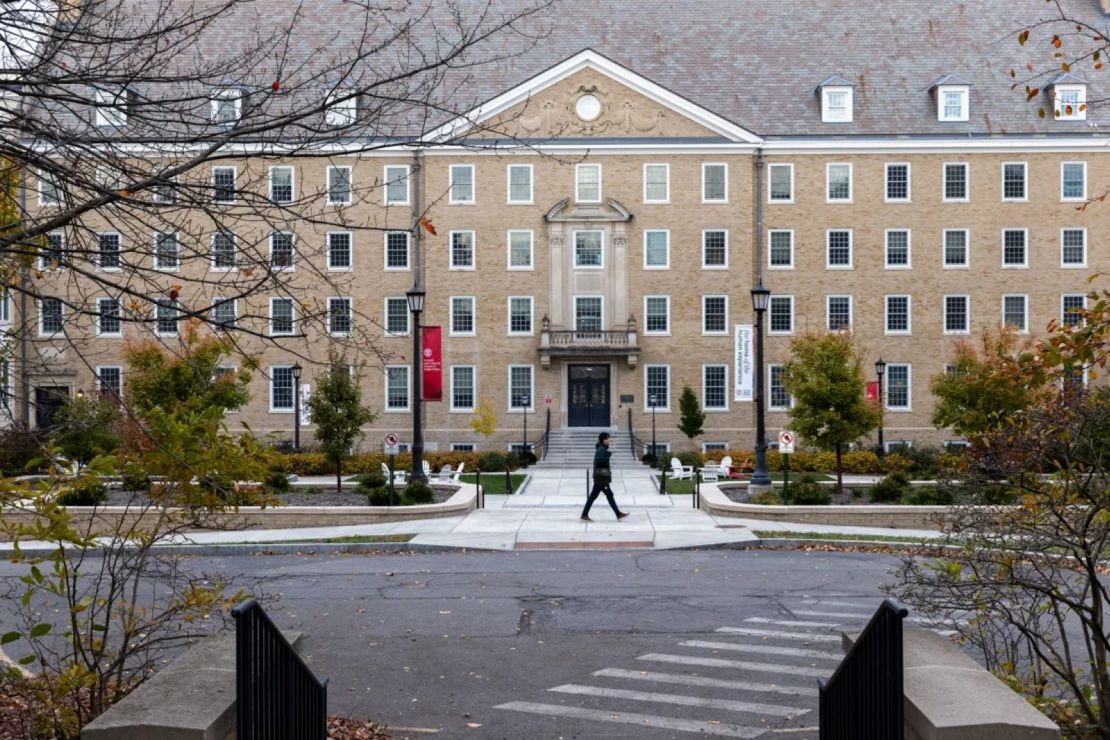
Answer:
(873, 391)
(432, 363)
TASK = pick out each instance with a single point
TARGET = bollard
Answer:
(508, 482)
(697, 489)
(663, 483)
(481, 493)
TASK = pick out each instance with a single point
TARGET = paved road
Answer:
(574, 645)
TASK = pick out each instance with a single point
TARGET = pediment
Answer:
(608, 212)
(621, 104)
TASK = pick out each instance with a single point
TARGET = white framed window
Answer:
(109, 322)
(657, 315)
(714, 446)
(111, 108)
(166, 318)
(1014, 181)
(657, 183)
(397, 388)
(1073, 247)
(397, 316)
(780, 315)
(283, 320)
(657, 383)
(281, 184)
(780, 249)
(897, 182)
(714, 182)
(714, 315)
(838, 182)
(281, 388)
(589, 249)
(657, 249)
(955, 248)
(340, 251)
(897, 318)
(50, 193)
(462, 250)
(955, 187)
(109, 382)
(1015, 248)
(589, 313)
(281, 251)
(838, 312)
(340, 316)
(108, 251)
(167, 252)
(520, 315)
(1070, 102)
(396, 185)
(1071, 306)
(897, 387)
(461, 186)
(898, 249)
(520, 249)
(5, 305)
(225, 312)
(463, 390)
(51, 317)
(780, 183)
(714, 249)
(224, 256)
(224, 188)
(462, 316)
(714, 387)
(957, 314)
(952, 103)
(522, 396)
(226, 107)
(1073, 181)
(836, 104)
(1015, 312)
(341, 108)
(110, 177)
(463, 447)
(777, 397)
(165, 191)
(838, 252)
(339, 185)
(396, 250)
(587, 183)
(519, 186)
(52, 255)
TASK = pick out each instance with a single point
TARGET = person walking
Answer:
(603, 476)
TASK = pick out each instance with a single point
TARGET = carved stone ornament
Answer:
(589, 111)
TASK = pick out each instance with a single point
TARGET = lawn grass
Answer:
(358, 539)
(494, 483)
(772, 534)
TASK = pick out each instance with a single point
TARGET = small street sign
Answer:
(786, 442)
(547, 399)
(391, 443)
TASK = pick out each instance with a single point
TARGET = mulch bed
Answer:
(741, 496)
(324, 497)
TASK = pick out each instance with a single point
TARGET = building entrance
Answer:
(589, 395)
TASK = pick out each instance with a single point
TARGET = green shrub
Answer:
(860, 462)
(84, 494)
(527, 457)
(807, 491)
(17, 450)
(925, 461)
(648, 459)
(690, 458)
(895, 462)
(418, 493)
(370, 480)
(135, 480)
(930, 496)
(995, 495)
(492, 462)
(277, 482)
(380, 496)
(766, 498)
(890, 489)
(513, 461)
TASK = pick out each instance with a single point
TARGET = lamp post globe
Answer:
(415, 296)
(761, 297)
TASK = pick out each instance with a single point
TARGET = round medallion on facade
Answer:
(588, 107)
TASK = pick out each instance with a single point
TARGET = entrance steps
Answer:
(573, 447)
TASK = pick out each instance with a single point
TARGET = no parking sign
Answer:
(786, 442)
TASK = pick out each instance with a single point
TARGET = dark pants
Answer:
(598, 488)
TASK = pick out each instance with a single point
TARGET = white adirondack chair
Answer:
(398, 475)
(680, 471)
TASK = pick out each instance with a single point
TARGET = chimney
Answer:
(1105, 4)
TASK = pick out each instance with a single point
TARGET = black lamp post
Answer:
(296, 408)
(525, 400)
(880, 369)
(652, 399)
(416, 305)
(761, 296)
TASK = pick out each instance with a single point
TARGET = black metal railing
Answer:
(542, 442)
(277, 696)
(635, 441)
(863, 698)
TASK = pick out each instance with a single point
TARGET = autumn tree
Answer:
(825, 378)
(485, 419)
(338, 413)
(691, 417)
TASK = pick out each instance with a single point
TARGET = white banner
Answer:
(306, 415)
(745, 363)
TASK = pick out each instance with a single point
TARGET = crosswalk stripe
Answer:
(807, 636)
(716, 683)
(773, 710)
(790, 622)
(740, 647)
(790, 670)
(840, 615)
(643, 720)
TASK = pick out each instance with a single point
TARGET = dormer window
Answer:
(1070, 102)
(953, 95)
(227, 107)
(342, 108)
(111, 108)
(836, 100)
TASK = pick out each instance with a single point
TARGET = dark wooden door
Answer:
(589, 395)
